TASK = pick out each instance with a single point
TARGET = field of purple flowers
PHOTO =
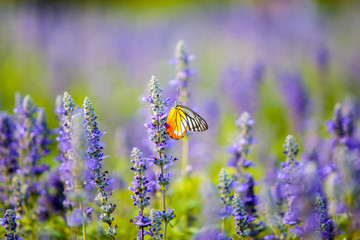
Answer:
(84, 98)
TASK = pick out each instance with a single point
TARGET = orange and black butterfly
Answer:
(182, 119)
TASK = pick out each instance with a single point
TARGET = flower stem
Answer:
(288, 233)
(163, 189)
(185, 154)
(83, 224)
(142, 228)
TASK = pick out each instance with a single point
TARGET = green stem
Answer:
(83, 224)
(288, 233)
(185, 154)
(163, 189)
(350, 227)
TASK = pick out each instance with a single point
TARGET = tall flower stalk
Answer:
(225, 188)
(242, 219)
(183, 72)
(98, 179)
(181, 82)
(9, 157)
(156, 221)
(33, 137)
(74, 164)
(241, 147)
(78, 157)
(181, 61)
(324, 224)
(158, 135)
(343, 182)
(290, 185)
(68, 109)
(141, 188)
(246, 183)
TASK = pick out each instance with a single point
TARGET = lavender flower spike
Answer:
(158, 135)
(157, 127)
(140, 189)
(8, 145)
(242, 220)
(323, 223)
(156, 221)
(43, 133)
(225, 185)
(343, 128)
(183, 71)
(291, 150)
(10, 225)
(241, 147)
(78, 158)
(68, 110)
(291, 185)
(98, 179)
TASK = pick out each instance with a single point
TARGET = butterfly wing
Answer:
(193, 120)
(176, 125)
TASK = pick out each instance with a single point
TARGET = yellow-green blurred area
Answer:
(109, 50)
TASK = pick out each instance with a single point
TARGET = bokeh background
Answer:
(285, 62)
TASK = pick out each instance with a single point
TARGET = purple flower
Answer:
(141, 184)
(33, 136)
(43, 133)
(141, 221)
(241, 147)
(75, 161)
(295, 95)
(249, 198)
(88, 212)
(8, 156)
(98, 178)
(8, 147)
(157, 126)
(183, 72)
(52, 198)
(156, 221)
(288, 186)
(65, 142)
(271, 237)
(9, 222)
(225, 188)
(343, 128)
(168, 215)
(323, 223)
(57, 197)
(159, 136)
(245, 182)
(75, 218)
(242, 219)
(140, 189)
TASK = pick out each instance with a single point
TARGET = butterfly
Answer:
(182, 119)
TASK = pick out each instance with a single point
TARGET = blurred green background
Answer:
(109, 50)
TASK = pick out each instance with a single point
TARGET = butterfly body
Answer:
(182, 119)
